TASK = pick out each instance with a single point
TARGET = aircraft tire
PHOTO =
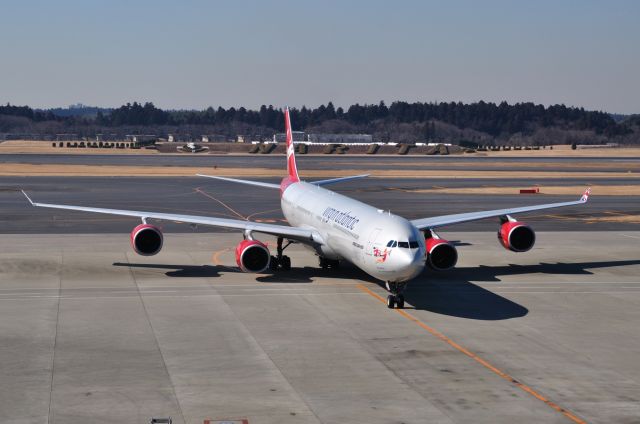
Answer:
(324, 263)
(273, 264)
(400, 302)
(391, 301)
(286, 263)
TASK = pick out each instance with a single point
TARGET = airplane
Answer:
(337, 228)
(192, 147)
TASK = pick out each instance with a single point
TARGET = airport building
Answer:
(325, 138)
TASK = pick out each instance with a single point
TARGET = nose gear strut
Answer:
(396, 298)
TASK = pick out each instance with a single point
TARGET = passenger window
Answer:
(403, 244)
(413, 244)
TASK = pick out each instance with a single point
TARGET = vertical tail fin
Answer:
(292, 170)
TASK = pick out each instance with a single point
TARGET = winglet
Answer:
(292, 169)
(28, 198)
(585, 196)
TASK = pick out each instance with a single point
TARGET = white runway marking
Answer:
(627, 235)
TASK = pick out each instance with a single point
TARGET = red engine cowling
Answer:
(516, 236)
(441, 255)
(146, 240)
(252, 256)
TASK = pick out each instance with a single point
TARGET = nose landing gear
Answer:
(396, 298)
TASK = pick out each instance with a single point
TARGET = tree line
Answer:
(496, 120)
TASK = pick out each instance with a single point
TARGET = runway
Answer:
(201, 196)
(90, 332)
(366, 163)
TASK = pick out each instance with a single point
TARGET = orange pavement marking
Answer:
(478, 359)
(215, 259)
(205, 194)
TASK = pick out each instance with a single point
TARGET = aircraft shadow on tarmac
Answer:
(184, 271)
(450, 293)
(453, 293)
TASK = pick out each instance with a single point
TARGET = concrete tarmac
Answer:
(90, 332)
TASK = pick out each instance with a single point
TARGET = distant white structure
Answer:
(340, 138)
(433, 144)
(325, 138)
(140, 138)
(598, 146)
(297, 136)
(211, 138)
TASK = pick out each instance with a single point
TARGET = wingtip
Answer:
(27, 196)
(585, 196)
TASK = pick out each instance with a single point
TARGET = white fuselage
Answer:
(384, 245)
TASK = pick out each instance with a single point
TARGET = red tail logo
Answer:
(292, 170)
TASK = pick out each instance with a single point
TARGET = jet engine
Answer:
(441, 255)
(146, 240)
(252, 256)
(516, 236)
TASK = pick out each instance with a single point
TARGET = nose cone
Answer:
(410, 263)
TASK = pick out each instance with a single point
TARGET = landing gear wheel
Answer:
(324, 263)
(281, 261)
(285, 263)
(396, 298)
(273, 264)
(391, 301)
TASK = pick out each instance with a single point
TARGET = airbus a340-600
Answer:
(338, 228)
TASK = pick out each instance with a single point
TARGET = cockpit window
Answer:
(413, 244)
(395, 243)
(390, 243)
(403, 244)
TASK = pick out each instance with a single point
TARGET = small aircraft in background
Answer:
(192, 147)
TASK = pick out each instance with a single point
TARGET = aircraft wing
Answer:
(248, 182)
(338, 180)
(441, 221)
(277, 186)
(297, 233)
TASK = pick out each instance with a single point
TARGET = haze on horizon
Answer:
(195, 54)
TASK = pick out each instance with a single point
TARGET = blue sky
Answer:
(192, 54)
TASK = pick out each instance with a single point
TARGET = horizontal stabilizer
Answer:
(338, 180)
(248, 182)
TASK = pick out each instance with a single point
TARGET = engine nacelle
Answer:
(441, 255)
(252, 256)
(516, 236)
(146, 240)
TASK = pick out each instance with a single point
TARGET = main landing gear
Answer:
(329, 263)
(396, 298)
(281, 261)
